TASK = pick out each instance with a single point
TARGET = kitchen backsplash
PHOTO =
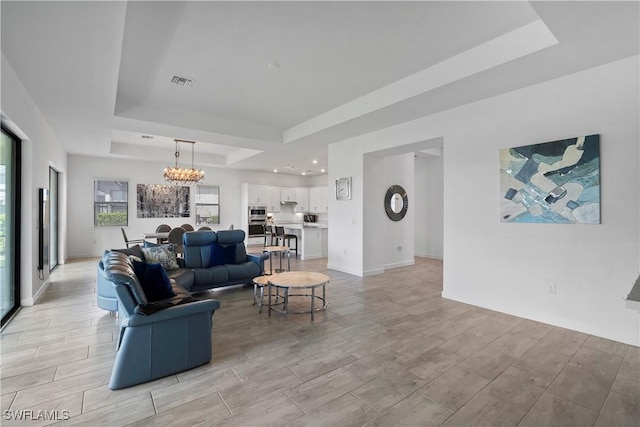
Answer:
(286, 214)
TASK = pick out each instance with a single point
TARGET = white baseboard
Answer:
(29, 301)
(373, 272)
(399, 264)
(546, 318)
(344, 270)
(426, 255)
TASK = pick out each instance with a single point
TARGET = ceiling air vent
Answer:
(181, 81)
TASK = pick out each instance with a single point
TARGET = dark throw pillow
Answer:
(154, 281)
(221, 255)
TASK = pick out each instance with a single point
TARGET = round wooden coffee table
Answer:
(299, 280)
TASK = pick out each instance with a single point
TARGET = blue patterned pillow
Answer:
(154, 281)
(163, 255)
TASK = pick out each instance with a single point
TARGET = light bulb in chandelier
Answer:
(177, 175)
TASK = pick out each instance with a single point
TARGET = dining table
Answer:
(162, 236)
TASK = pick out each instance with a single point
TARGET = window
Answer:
(110, 203)
(208, 205)
(54, 181)
(9, 225)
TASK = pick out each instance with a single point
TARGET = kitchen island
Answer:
(312, 238)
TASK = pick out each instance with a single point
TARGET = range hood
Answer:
(288, 202)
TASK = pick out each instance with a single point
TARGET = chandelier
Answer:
(178, 175)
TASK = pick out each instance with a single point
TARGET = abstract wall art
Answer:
(552, 182)
(162, 201)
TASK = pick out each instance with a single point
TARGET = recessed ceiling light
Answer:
(274, 65)
(315, 162)
(275, 170)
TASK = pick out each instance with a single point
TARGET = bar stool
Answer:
(268, 233)
(286, 238)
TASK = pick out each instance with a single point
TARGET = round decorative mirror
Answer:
(396, 203)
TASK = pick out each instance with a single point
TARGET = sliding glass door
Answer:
(53, 218)
(9, 224)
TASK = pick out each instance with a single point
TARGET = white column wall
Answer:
(345, 216)
(507, 267)
(429, 207)
(374, 236)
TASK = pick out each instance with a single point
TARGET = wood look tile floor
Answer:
(388, 351)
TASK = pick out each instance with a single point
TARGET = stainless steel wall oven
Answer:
(257, 220)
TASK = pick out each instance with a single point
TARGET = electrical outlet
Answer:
(551, 289)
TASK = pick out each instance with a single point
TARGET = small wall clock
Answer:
(343, 188)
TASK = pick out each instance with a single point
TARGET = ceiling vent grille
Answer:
(181, 81)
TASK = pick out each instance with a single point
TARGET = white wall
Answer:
(507, 267)
(386, 243)
(86, 240)
(429, 207)
(373, 221)
(399, 235)
(40, 149)
(345, 234)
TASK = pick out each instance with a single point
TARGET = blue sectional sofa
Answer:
(211, 260)
(157, 337)
(220, 259)
(164, 329)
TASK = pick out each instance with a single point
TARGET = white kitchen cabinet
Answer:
(258, 194)
(315, 199)
(273, 204)
(318, 199)
(287, 194)
(302, 199)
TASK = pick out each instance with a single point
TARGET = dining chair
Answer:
(280, 234)
(128, 242)
(175, 237)
(187, 227)
(162, 228)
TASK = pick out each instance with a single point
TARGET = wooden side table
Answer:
(279, 250)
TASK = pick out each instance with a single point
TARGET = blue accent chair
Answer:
(156, 338)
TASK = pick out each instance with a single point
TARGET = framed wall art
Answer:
(163, 201)
(552, 182)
